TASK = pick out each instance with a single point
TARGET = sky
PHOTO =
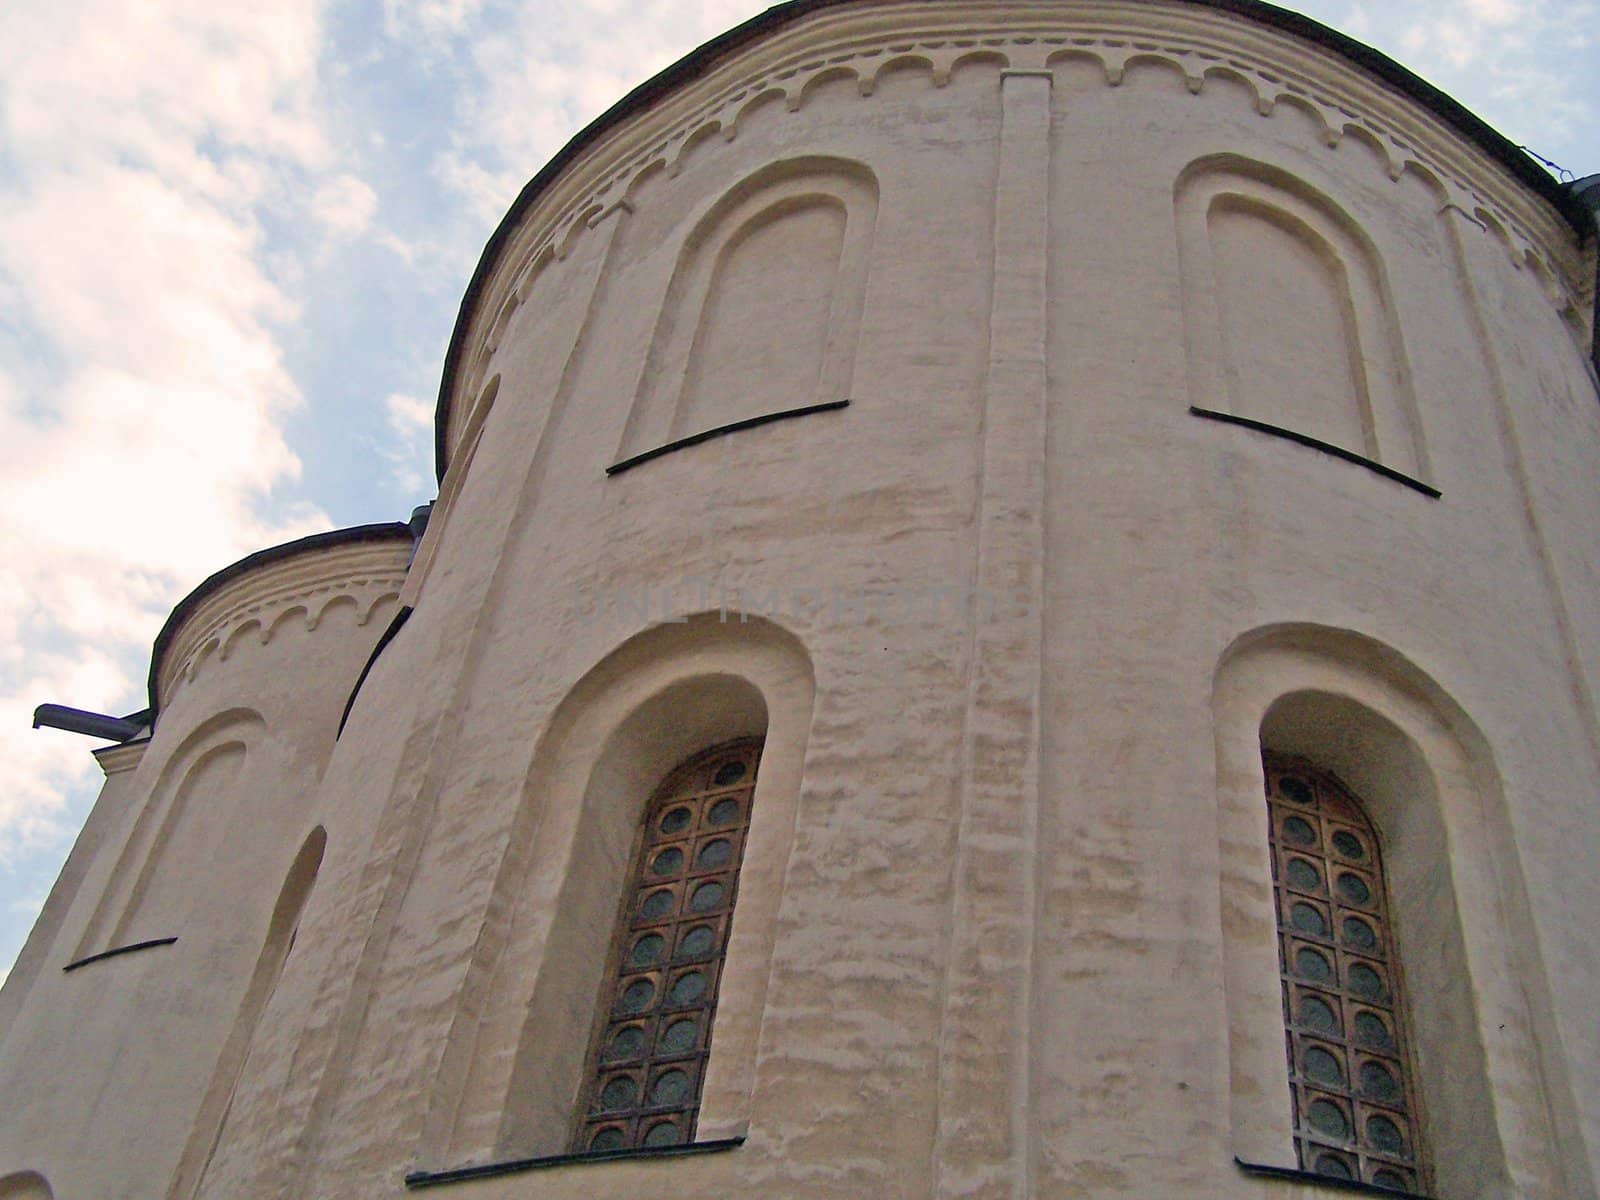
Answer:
(233, 241)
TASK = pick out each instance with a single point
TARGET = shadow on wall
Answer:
(25, 1185)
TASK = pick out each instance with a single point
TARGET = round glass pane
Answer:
(663, 1134)
(671, 1087)
(706, 896)
(677, 1038)
(728, 772)
(1365, 982)
(1371, 1031)
(723, 812)
(1323, 1067)
(1295, 789)
(626, 1043)
(714, 855)
(648, 950)
(688, 989)
(1333, 1167)
(1299, 831)
(609, 1138)
(1303, 875)
(1378, 1082)
(1307, 919)
(637, 995)
(1312, 965)
(676, 821)
(1383, 1134)
(697, 941)
(619, 1092)
(656, 905)
(1359, 934)
(1318, 1014)
(668, 862)
(1348, 844)
(1354, 889)
(1391, 1179)
(1327, 1118)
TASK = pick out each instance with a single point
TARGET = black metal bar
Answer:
(422, 1179)
(388, 636)
(694, 439)
(388, 531)
(1317, 444)
(117, 951)
(1295, 1175)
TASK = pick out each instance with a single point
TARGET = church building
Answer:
(1013, 613)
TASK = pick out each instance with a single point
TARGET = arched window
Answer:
(1355, 1111)
(653, 1032)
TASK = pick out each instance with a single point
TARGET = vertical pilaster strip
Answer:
(981, 1144)
(321, 1059)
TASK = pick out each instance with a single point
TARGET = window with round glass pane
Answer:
(1355, 1109)
(647, 1054)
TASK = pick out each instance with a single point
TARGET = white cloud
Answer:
(427, 18)
(1527, 69)
(27, 906)
(408, 416)
(143, 432)
(411, 426)
(1495, 12)
(549, 68)
(345, 204)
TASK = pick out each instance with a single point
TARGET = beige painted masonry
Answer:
(1016, 625)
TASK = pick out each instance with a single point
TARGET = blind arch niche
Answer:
(1288, 315)
(764, 306)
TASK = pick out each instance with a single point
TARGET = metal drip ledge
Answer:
(422, 1179)
(1295, 1175)
(1317, 444)
(694, 439)
(117, 951)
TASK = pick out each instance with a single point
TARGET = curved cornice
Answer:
(366, 563)
(1412, 123)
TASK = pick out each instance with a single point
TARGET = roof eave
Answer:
(1451, 111)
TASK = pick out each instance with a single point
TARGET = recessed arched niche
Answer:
(1490, 1107)
(513, 1067)
(206, 1132)
(762, 312)
(188, 809)
(1287, 313)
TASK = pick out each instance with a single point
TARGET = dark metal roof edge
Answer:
(382, 531)
(1451, 111)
